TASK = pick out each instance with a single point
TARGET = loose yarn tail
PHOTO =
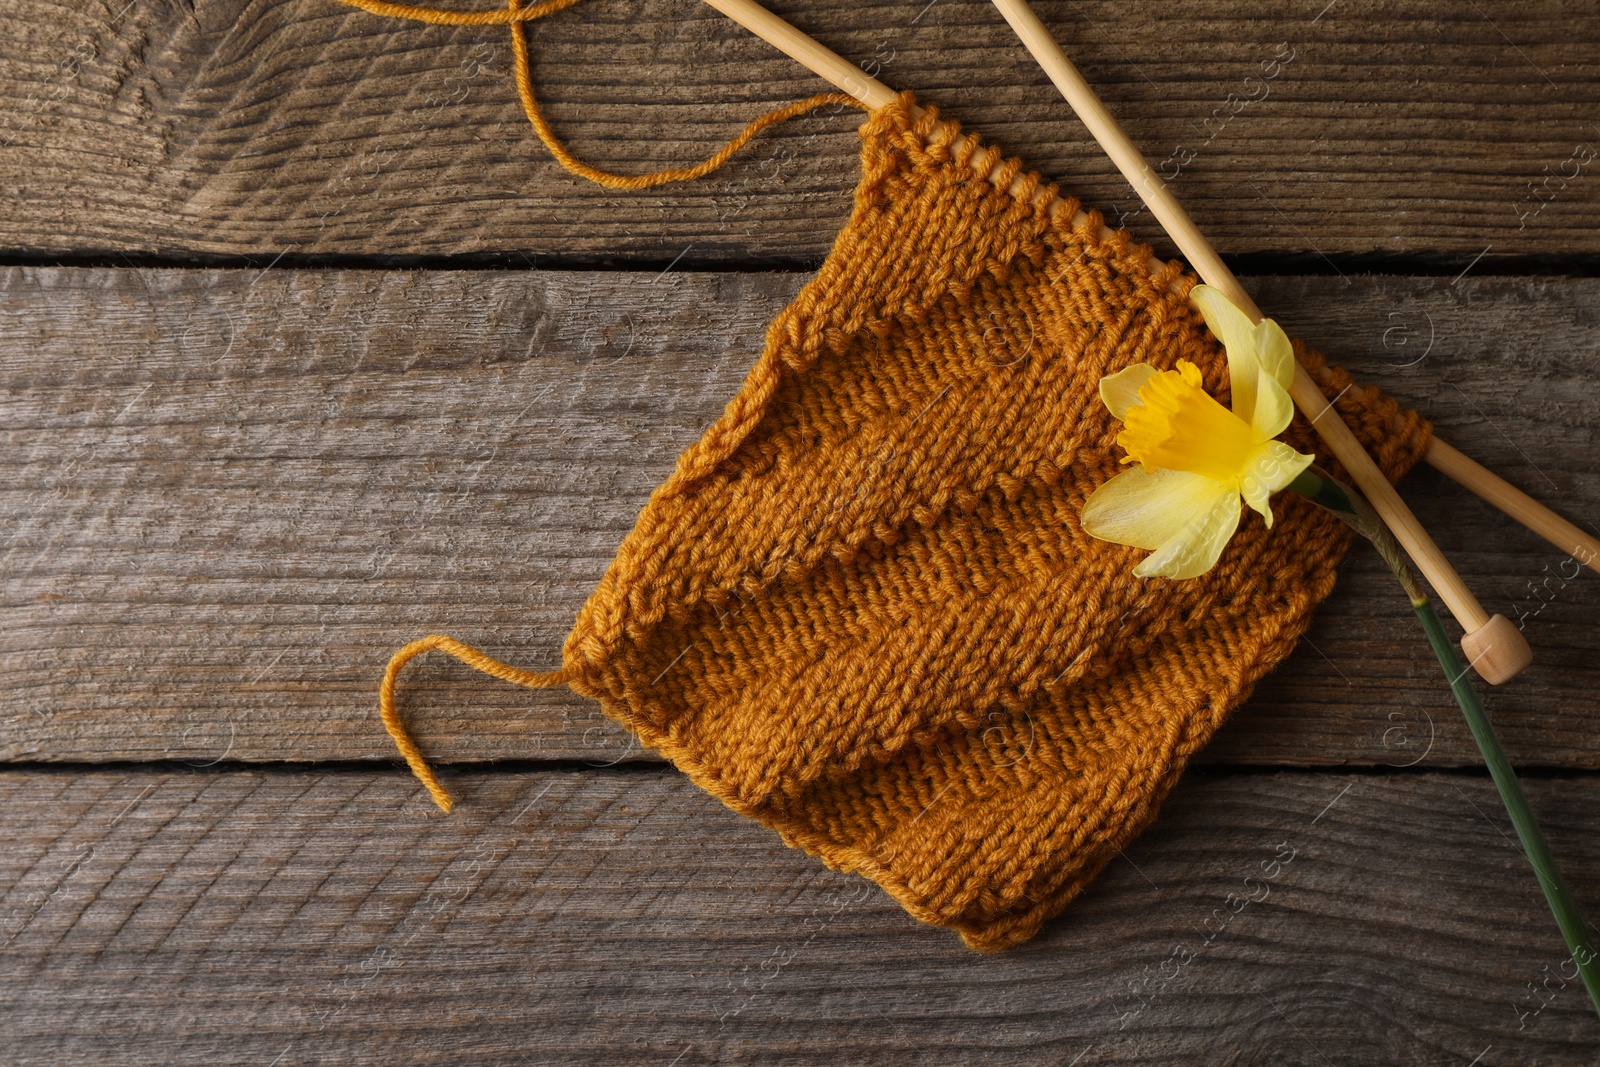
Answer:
(472, 658)
(514, 15)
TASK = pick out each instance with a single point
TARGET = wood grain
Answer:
(229, 495)
(304, 127)
(581, 917)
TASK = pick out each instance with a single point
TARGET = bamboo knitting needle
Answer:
(849, 78)
(1514, 502)
(846, 76)
(1495, 647)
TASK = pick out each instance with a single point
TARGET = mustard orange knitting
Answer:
(862, 610)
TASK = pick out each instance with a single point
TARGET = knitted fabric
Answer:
(862, 610)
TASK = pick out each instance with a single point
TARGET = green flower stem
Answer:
(1505, 780)
(1317, 487)
(1322, 491)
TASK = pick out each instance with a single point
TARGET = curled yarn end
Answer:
(515, 15)
(472, 658)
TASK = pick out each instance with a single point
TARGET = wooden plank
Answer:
(229, 495)
(303, 127)
(599, 917)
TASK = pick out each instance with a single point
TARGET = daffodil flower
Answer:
(1196, 459)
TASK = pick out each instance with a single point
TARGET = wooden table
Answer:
(309, 349)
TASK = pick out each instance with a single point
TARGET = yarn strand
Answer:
(515, 15)
(472, 658)
(441, 17)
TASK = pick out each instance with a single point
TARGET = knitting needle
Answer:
(849, 78)
(843, 74)
(1494, 646)
(1581, 547)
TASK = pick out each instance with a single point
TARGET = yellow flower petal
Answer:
(1120, 391)
(1148, 509)
(1274, 409)
(1273, 465)
(1196, 549)
(1274, 352)
(1238, 335)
